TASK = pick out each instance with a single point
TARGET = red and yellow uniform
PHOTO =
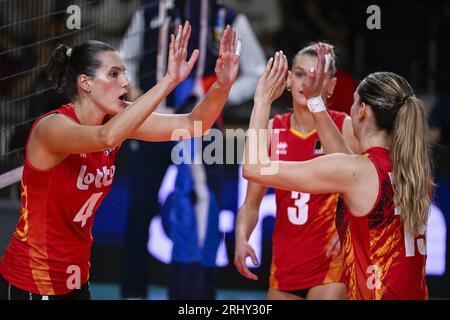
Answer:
(382, 260)
(304, 224)
(50, 249)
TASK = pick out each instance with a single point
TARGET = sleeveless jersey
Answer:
(382, 260)
(304, 224)
(50, 249)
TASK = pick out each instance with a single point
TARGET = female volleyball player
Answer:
(306, 261)
(69, 161)
(383, 193)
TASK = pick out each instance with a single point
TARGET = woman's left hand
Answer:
(227, 65)
(272, 82)
(178, 68)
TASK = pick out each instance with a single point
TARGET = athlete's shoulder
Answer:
(282, 120)
(380, 157)
(65, 109)
(337, 114)
(338, 118)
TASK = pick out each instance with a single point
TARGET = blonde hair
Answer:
(311, 51)
(402, 116)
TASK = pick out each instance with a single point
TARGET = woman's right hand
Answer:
(312, 86)
(178, 68)
(273, 81)
(243, 250)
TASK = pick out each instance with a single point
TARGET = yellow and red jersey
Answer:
(304, 224)
(50, 249)
(382, 260)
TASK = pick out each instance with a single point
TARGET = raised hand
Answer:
(312, 87)
(227, 65)
(273, 81)
(177, 67)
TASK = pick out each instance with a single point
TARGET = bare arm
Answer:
(247, 218)
(327, 174)
(330, 137)
(353, 176)
(253, 63)
(349, 136)
(57, 136)
(255, 193)
(330, 173)
(54, 132)
(160, 127)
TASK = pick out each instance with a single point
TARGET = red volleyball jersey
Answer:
(50, 248)
(304, 224)
(382, 260)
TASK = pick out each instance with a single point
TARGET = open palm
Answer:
(312, 86)
(178, 68)
(272, 82)
(227, 65)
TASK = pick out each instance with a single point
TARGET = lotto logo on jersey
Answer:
(282, 148)
(103, 177)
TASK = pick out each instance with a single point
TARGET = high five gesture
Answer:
(227, 65)
(177, 67)
(315, 77)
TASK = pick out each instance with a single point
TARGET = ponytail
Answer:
(66, 64)
(402, 116)
(411, 164)
(57, 66)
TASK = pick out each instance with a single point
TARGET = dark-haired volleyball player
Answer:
(70, 153)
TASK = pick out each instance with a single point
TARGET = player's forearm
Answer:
(256, 145)
(246, 221)
(210, 107)
(121, 126)
(248, 214)
(331, 139)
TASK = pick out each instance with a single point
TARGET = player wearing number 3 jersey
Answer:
(70, 153)
(384, 193)
(304, 224)
(306, 260)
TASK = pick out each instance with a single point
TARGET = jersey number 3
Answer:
(87, 209)
(299, 214)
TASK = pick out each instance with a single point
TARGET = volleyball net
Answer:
(29, 31)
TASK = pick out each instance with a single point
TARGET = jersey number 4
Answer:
(87, 209)
(299, 214)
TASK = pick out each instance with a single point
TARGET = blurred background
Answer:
(412, 40)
